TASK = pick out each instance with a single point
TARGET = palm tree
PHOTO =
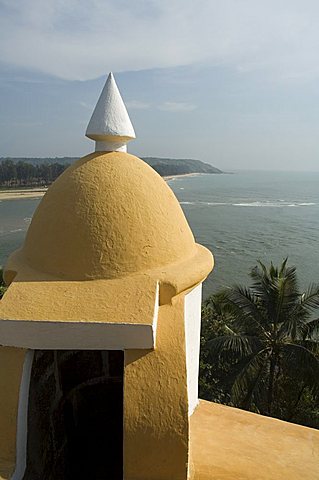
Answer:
(271, 338)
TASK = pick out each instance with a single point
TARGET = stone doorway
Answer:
(75, 415)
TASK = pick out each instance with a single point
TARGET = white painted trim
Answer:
(76, 335)
(192, 318)
(22, 422)
(155, 316)
(110, 147)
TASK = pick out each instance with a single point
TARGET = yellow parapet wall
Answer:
(11, 366)
(231, 444)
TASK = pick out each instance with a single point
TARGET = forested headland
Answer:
(39, 172)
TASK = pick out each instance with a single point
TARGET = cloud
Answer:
(137, 105)
(177, 107)
(87, 106)
(83, 39)
(21, 124)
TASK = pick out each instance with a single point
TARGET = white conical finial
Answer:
(110, 126)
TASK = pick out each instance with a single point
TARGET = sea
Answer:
(241, 218)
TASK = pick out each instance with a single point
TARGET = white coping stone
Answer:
(110, 147)
(110, 125)
(59, 335)
(76, 335)
(192, 318)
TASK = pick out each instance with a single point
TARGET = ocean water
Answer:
(241, 217)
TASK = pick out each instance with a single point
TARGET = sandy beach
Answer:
(171, 177)
(23, 193)
(39, 192)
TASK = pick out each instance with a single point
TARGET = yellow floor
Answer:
(231, 444)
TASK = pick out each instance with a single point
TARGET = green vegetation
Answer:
(33, 172)
(260, 348)
(175, 166)
(2, 284)
(25, 174)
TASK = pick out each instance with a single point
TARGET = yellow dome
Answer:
(107, 216)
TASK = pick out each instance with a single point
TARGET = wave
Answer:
(276, 204)
(5, 233)
(280, 204)
(212, 204)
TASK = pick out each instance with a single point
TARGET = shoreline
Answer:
(22, 193)
(19, 194)
(180, 175)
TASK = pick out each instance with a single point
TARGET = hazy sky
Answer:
(231, 82)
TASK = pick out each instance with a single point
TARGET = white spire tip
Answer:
(110, 125)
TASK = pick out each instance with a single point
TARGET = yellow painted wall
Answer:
(155, 403)
(11, 366)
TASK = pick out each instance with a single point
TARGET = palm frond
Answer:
(311, 329)
(298, 319)
(294, 324)
(233, 346)
(301, 363)
(311, 345)
(217, 301)
(246, 382)
(246, 312)
(277, 290)
(283, 267)
(264, 290)
(310, 299)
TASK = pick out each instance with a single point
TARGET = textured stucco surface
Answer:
(91, 301)
(107, 232)
(11, 367)
(156, 404)
(105, 238)
(107, 216)
(231, 444)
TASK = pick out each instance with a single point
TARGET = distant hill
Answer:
(41, 160)
(179, 166)
(164, 166)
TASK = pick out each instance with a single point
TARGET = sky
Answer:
(231, 82)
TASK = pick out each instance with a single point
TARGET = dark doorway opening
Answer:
(75, 415)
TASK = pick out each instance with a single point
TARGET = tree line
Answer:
(24, 174)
